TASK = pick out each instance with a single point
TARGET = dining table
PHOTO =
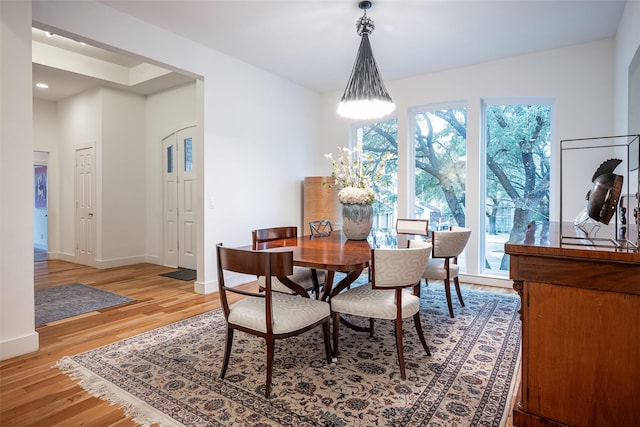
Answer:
(333, 253)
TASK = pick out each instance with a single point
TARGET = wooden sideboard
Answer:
(580, 311)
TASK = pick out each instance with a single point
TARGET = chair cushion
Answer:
(378, 303)
(301, 275)
(290, 313)
(435, 269)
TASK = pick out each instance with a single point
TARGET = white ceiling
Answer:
(314, 43)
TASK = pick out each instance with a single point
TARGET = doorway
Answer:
(178, 189)
(41, 205)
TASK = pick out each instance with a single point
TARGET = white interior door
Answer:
(186, 200)
(179, 217)
(85, 206)
(170, 201)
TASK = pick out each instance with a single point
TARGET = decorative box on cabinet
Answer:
(320, 202)
(580, 315)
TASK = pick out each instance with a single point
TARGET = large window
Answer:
(380, 141)
(516, 182)
(440, 167)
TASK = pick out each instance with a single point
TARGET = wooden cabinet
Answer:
(580, 333)
(320, 202)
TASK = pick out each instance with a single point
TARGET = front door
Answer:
(85, 206)
(179, 217)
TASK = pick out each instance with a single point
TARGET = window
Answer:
(440, 167)
(380, 140)
(516, 180)
(188, 155)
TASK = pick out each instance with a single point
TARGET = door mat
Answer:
(185, 274)
(61, 302)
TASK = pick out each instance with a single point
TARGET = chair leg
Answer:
(316, 283)
(327, 340)
(336, 328)
(416, 321)
(400, 348)
(457, 283)
(447, 288)
(371, 322)
(227, 352)
(270, 350)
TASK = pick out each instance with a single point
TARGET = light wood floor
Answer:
(33, 393)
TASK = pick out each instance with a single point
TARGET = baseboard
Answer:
(19, 346)
(487, 281)
(231, 281)
(120, 262)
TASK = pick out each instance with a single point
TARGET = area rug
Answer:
(169, 376)
(60, 302)
(185, 274)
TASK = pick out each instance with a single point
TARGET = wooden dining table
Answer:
(333, 253)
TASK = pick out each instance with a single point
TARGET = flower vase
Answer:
(357, 220)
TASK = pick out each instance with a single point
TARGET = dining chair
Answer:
(410, 228)
(320, 228)
(446, 245)
(307, 278)
(416, 227)
(393, 273)
(270, 315)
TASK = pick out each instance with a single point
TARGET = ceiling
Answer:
(313, 43)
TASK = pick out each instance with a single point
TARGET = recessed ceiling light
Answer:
(42, 85)
(49, 34)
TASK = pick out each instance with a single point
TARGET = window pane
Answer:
(517, 146)
(188, 155)
(380, 141)
(440, 167)
(170, 159)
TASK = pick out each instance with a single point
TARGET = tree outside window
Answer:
(517, 146)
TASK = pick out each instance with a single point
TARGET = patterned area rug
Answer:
(60, 302)
(169, 376)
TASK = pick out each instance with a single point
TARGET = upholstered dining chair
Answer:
(393, 273)
(309, 279)
(270, 315)
(447, 245)
(321, 227)
(412, 227)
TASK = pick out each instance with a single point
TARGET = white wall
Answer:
(166, 113)
(627, 44)
(123, 179)
(242, 163)
(17, 319)
(45, 139)
(79, 120)
(580, 78)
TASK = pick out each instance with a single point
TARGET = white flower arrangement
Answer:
(354, 173)
(361, 196)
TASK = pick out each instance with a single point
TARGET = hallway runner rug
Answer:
(61, 302)
(170, 376)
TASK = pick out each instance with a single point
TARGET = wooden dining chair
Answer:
(320, 228)
(393, 273)
(447, 245)
(270, 315)
(307, 278)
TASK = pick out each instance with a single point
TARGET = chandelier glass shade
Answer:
(365, 96)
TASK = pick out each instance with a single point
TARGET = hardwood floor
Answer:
(33, 393)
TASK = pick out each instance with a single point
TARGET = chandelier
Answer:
(365, 96)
